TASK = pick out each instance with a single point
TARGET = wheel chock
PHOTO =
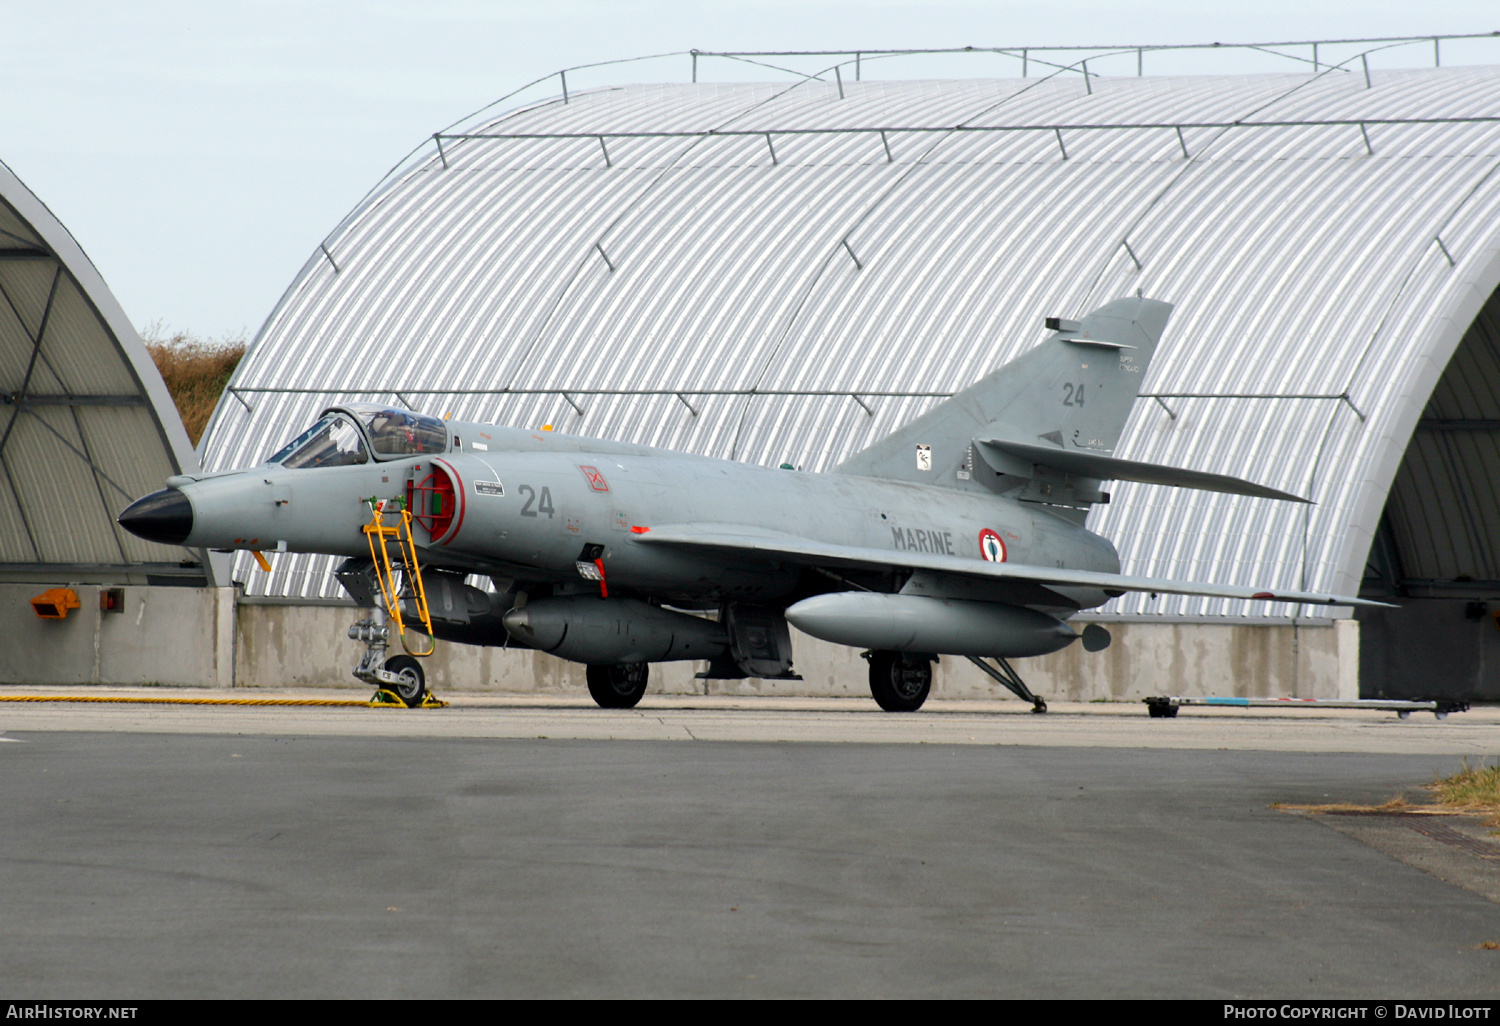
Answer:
(385, 698)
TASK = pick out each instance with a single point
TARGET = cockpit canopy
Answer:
(337, 440)
(396, 432)
(333, 441)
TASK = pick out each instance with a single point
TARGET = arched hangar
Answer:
(785, 271)
(86, 427)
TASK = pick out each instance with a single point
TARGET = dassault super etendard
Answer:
(960, 534)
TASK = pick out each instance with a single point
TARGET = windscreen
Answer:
(333, 441)
(396, 432)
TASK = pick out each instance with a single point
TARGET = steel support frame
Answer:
(36, 354)
(114, 527)
(814, 393)
(1055, 127)
(81, 454)
(36, 347)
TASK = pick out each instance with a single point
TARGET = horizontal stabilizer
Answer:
(1108, 468)
(1099, 342)
(780, 547)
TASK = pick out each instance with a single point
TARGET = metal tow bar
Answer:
(1165, 708)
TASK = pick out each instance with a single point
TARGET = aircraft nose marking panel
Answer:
(595, 479)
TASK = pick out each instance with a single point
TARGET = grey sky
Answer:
(199, 151)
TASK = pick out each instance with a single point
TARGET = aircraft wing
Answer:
(778, 546)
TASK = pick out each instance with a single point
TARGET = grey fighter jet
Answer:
(961, 534)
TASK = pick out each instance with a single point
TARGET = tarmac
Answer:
(762, 719)
(524, 846)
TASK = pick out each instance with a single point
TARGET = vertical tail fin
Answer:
(1074, 391)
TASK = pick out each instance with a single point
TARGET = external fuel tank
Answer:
(916, 623)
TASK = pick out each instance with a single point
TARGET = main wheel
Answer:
(412, 687)
(899, 682)
(617, 685)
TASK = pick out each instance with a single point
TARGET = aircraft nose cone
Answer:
(165, 516)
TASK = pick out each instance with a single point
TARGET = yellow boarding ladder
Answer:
(380, 555)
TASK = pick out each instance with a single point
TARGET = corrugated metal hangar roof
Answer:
(86, 424)
(786, 272)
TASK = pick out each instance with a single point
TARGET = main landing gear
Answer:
(899, 681)
(617, 685)
(1009, 679)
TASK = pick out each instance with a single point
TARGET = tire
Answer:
(899, 682)
(617, 685)
(413, 686)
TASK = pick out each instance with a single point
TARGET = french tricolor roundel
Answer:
(991, 547)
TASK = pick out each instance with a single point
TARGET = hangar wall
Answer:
(88, 425)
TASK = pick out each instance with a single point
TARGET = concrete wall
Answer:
(162, 635)
(299, 646)
(197, 636)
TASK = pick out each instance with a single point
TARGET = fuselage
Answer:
(532, 505)
(602, 552)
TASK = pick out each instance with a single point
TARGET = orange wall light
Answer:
(54, 603)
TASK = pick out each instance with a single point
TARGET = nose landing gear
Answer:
(400, 676)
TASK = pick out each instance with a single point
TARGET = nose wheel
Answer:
(411, 683)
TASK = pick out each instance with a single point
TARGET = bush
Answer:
(195, 371)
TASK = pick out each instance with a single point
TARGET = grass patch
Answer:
(1472, 791)
(195, 370)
